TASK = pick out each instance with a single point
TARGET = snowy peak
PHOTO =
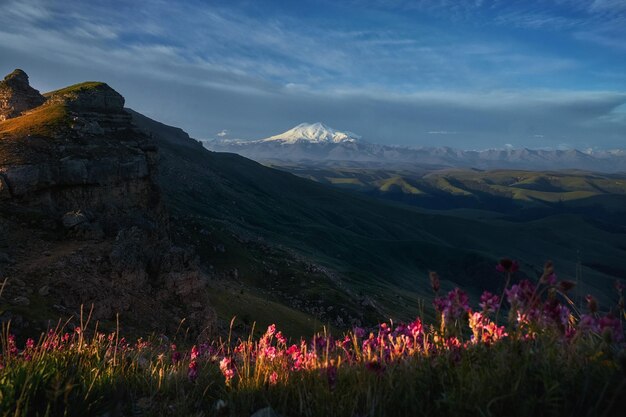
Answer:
(314, 133)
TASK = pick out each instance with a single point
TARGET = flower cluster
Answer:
(533, 309)
(453, 306)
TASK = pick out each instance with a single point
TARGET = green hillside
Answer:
(300, 243)
(519, 194)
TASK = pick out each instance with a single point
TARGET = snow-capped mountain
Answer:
(312, 133)
(317, 142)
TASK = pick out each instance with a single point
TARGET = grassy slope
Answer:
(546, 187)
(380, 249)
(87, 85)
(44, 121)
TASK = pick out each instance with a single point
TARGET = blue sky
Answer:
(470, 74)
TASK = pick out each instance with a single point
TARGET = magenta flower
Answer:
(226, 369)
(489, 302)
(273, 378)
(520, 294)
(292, 350)
(588, 323)
(454, 305)
(507, 265)
(359, 332)
(30, 344)
(440, 304)
(11, 346)
(416, 328)
(281, 339)
(270, 352)
(611, 327)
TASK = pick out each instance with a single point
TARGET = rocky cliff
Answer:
(81, 217)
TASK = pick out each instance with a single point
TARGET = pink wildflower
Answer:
(489, 302)
(588, 323)
(226, 368)
(281, 339)
(241, 347)
(359, 332)
(454, 305)
(273, 378)
(270, 353)
(12, 347)
(611, 328)
(493, 333)
(30, 344)
(141, 344)
(416, 328)
(192, 371)
(293, 349)
(518, 295)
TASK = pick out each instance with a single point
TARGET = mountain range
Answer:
(319, 143)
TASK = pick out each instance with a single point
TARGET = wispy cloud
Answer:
(467, 75)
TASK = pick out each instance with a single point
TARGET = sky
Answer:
(471, 74)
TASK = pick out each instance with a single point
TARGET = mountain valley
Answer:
(166, 225)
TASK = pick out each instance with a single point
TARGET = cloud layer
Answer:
(484, 72)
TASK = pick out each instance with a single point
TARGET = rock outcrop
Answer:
(17, 96)
(94, 160)
(81, 213)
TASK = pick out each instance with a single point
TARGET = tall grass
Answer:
(548, 359)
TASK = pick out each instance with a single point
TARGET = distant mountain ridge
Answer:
(320, 143)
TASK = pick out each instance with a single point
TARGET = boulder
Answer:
(265, 412)
(21, 301)
(73, 218)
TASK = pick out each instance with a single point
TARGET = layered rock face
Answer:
(81, 214)
(17, 96)
(95, 161)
